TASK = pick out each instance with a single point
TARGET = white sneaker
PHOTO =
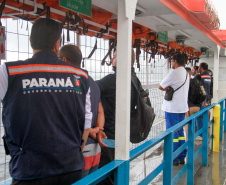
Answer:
(199, 138)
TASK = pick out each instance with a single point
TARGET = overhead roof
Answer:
(196, 20)
(173, 16)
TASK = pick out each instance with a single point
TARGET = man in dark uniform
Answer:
(206, 82)
(43, 126)
(108, 97)
(72, 54)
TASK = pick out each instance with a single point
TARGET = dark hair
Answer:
(180, 58)
(210, 72)
(188, 69)
(72, 53)
(204, 66)
(44, 34)
(196, 68)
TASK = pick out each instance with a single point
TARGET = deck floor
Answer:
(212, 174)
(215, 172)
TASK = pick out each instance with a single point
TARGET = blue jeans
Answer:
(178, 136)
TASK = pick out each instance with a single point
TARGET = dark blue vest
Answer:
(44, 115)
(206, 81)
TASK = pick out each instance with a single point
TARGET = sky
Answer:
(220, 6)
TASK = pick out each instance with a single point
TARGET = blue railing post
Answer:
(205, 138)
(224, 120)
(122, 174)
(168, 159)
(191, 150)
(221, 119)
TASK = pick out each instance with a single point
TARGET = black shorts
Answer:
(190, 104)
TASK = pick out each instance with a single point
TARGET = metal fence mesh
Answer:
(18, 48)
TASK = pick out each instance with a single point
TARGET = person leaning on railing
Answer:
(107, 87)
(92, 151)
(206, 80)
(176, 108)
(194, 97)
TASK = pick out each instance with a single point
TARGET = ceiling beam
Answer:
(163, 21)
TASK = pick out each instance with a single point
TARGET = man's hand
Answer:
(167, 88)
(161, 88)
(93, 132)
(100, 136)
(204, 104)
(84, 137)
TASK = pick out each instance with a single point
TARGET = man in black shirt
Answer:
(107, 87)
(195, 73)
(194, 107)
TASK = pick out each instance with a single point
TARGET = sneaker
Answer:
(199, 138)
(175, 163)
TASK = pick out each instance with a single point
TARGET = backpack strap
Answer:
(134, 82)
(139, 87)
(183, 83)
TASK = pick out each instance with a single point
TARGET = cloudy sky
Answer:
(220, 6)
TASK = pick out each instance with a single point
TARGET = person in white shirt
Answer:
(176, 108)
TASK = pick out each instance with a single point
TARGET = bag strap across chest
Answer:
(183, 83)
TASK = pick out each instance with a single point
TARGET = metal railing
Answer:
(150, 74)
(121, 168)
(18, 48)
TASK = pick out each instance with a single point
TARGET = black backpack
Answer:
(211, 84)
(142, 119)
(197, 92)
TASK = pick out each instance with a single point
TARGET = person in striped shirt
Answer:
(72, 54)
